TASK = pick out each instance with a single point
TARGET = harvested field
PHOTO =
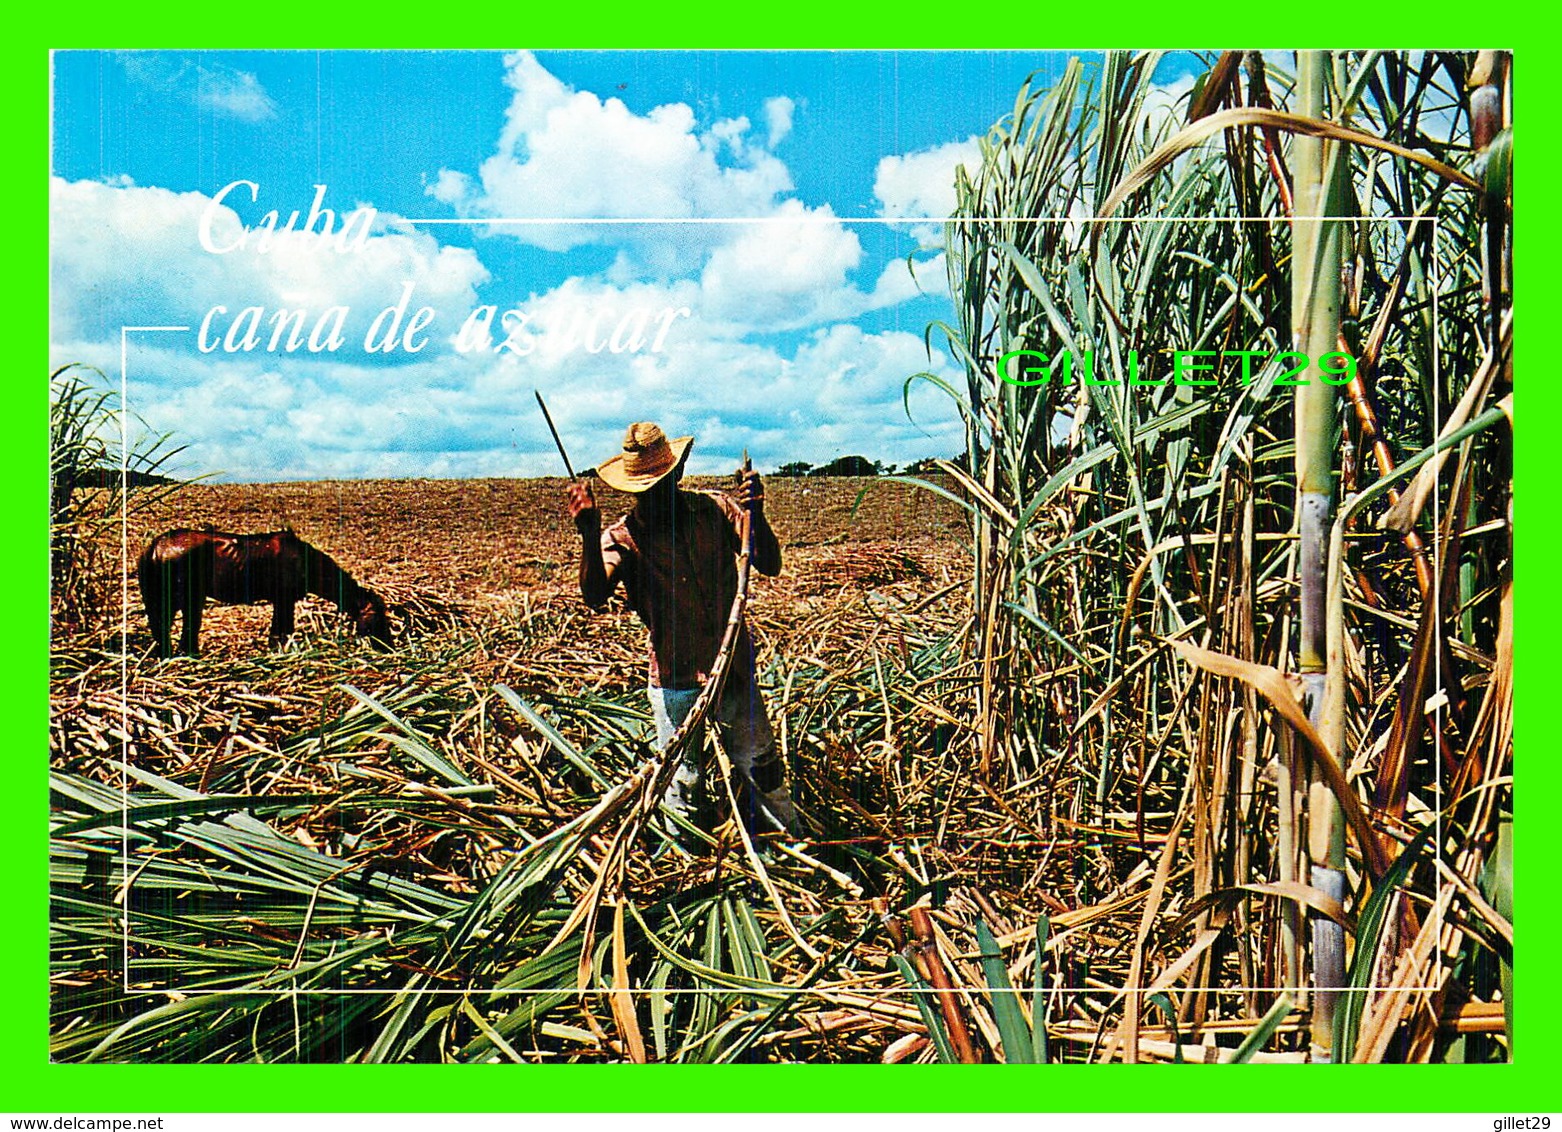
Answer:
(517, 705)
(445, 553)
(1172, 725)
(437, 838)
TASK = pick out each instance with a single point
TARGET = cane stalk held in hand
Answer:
(547, 416)
(748, 513)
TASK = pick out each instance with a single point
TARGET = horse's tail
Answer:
(146, 571)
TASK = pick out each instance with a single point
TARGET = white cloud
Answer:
(217, 88)
(836, 393)
(900, 281)
(584, 318)
(777, 273)
(778, 119)
(122, 254)
(923, 183)
(237, 94)
(731, 131)
(753, 346)
(267, 417)
(567, 153)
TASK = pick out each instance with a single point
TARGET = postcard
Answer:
(828, 558)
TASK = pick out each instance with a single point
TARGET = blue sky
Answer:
(790, 334)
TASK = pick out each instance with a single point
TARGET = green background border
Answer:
(30, 1083)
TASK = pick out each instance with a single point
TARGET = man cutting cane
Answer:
(676, 554)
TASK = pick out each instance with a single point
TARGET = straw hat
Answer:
(646, 458)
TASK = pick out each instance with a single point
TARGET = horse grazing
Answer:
(180, 569)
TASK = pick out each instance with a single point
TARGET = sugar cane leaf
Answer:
(1016, 1035)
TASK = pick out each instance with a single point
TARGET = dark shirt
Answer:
(681, 578)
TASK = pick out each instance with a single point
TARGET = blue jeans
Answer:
(747, 737)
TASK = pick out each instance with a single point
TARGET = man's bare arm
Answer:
(767, 548)
(596, 579)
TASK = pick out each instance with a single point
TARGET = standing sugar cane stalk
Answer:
(1318, 169)
(676, 553)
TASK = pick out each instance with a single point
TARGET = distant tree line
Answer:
(856, 466)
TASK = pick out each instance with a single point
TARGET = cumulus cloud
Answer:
(567, 153)
(835, 391)
(901, 281)
(122, 254)
(838, 391)
(604, 352)
(923, 183)
(154, 70)
(778, 119)
(777, 273)
(792, 271)
(740, 333)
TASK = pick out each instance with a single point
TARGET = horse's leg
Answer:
(194, 602)
(281, 621)
(190, 638)
(154, 598)
(161, 619)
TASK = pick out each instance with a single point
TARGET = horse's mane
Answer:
(321, 570)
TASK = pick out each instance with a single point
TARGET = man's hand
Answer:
(597, 579)
(751, 492)
(582, 508)
(750, 495)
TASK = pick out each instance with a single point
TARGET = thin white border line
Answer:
(1438, 624)
(765, 992)
(124, 641)
(1435, 221)
(816, 218)
(124, 625)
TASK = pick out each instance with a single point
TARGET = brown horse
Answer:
(179, 570)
